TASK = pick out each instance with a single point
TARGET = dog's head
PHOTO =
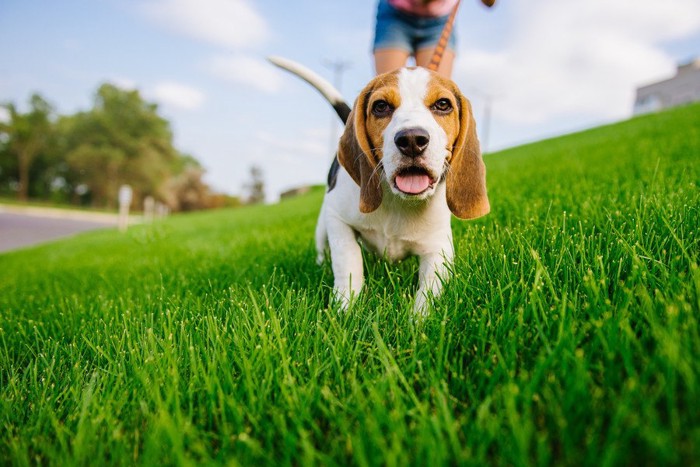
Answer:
(410, 130)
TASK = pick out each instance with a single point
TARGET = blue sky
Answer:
(546, 68)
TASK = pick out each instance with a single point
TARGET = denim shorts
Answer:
(396, 29)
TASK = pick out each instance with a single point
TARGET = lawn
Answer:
(568, 334)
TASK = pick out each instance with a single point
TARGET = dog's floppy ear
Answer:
(466, 178)
(356, 156)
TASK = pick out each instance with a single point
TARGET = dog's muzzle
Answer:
(413, 179)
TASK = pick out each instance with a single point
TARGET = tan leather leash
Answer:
(444, 37)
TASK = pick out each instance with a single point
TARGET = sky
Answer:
(533, 69)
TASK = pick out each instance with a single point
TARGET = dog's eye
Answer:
(381, 108)
(442, 106)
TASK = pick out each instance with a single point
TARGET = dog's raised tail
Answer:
(326, 89)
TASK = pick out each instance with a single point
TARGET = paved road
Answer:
(22, 229)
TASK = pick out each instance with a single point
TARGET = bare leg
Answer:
(386, 60)
(445, 69)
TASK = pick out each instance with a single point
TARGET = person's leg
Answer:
(424, 56)
(392, 38)
(386, 60)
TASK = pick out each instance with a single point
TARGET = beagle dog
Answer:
(408, 158)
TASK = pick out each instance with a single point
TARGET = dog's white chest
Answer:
(397, 231)
(393, 247)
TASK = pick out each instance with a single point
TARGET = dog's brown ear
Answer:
(466, 178)
(355, 155)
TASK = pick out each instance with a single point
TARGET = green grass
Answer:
(568, 335)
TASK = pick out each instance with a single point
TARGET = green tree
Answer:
(256, 187)
(122, 139)
(187, 190)
(25, 136)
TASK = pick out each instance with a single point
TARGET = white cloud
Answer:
(570, 58)
(125, 84)
(247, 70)
(177, 95)
(227, 23)
(233, 25)
(311, 146)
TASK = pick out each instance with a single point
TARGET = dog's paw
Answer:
(346, 297)
(421, 306)
(343, 297)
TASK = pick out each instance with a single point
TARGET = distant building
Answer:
(683, 88)
(295, 192)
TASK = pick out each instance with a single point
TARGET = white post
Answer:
(161, 210)
(125, 194)
(148, 209)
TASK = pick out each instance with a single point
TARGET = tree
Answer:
(187, 191)
(85, 157)
(256, 187)
(26, 135)
(122, 139)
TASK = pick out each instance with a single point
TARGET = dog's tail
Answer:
(326, 89)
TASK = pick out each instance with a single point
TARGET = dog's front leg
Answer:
(346, 258)
(434, 269)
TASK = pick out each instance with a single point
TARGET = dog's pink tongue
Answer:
(413, 183)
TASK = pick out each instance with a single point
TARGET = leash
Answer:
(445, 36)
(442, 43)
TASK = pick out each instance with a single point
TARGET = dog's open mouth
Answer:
(413, 180)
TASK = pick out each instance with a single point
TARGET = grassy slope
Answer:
(568, 334)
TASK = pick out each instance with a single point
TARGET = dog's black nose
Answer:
(412, 141)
